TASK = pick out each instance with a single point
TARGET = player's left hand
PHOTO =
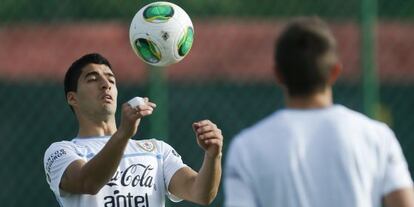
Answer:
(209, 137)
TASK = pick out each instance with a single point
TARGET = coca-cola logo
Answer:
(134, 175)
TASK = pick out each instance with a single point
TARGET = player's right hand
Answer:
(131, 116)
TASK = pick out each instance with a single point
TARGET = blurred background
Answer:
(227, 77)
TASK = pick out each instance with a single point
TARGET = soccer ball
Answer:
(161, 33)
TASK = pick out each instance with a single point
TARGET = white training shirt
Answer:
(314, 158)
(141, 179)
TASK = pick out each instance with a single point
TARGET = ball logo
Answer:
(165, 35)
(148, 50)
(158, 13)
(186, 42)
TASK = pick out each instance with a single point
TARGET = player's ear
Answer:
(279, 77)
(71, 98)
(335, 72)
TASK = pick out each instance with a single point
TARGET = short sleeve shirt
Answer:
(142, 177)
(320, 157)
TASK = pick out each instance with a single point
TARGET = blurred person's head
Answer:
(90, 86)
(306, 60)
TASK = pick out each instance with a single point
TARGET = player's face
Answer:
(97, 92)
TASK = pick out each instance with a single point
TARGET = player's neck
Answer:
(95, 128)
(318, 100)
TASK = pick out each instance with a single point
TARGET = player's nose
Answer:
(105, 84)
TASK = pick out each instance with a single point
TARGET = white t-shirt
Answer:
(306, 158)
(141, 179)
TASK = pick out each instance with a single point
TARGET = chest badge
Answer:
(148, 146)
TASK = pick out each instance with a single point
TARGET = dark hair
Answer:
(75, 70)
(304, 54)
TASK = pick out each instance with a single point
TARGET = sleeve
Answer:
(57, 158)
(396, 175)
(172, 163)
(237, 189)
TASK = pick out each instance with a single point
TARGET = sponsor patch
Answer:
(53, 157)
(148, 146)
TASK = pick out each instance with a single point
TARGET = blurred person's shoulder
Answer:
(260, 129)
(283, 122)
(360, 119)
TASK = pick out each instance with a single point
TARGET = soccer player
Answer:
(104, 167)
(314, 153)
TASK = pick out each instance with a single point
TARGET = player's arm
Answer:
(201, 187)
(82, 177)
(400, 198)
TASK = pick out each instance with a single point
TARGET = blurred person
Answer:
(314, 153)
(103, 166)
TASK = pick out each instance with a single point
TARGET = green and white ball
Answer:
(161, 33)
